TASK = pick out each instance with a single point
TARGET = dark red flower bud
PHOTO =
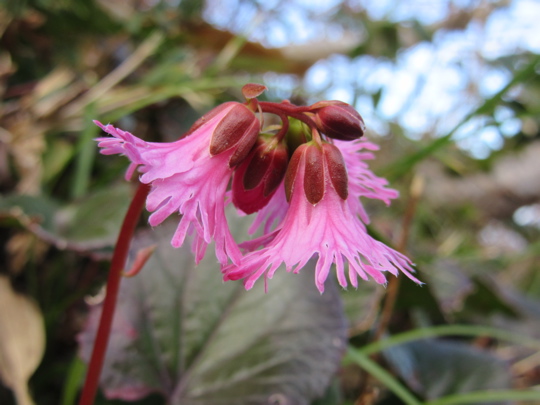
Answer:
(256, 179)
(338, 120)
(336, 169)
(313, 186)
(238, 129)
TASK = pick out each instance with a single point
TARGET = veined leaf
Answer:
(182, 332)
(436, 368)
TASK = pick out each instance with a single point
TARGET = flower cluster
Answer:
(303, 178)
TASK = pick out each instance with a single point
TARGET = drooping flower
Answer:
(363, 183)
(190, 176)
(315, 211)
(320, 222)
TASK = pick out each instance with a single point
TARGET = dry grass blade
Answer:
(117, 75)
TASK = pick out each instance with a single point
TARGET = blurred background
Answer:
(449, 89)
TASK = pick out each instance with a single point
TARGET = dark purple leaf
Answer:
(182, 332)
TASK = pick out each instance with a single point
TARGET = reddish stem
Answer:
(109, 304)
(288, 109)
(316, 136)
(284, 128)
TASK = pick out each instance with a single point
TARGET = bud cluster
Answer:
(263, 158)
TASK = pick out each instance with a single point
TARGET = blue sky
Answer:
(431, 85)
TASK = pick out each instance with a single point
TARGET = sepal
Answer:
(253, 90)
(337, 169)
(314, 174)
(238, 129)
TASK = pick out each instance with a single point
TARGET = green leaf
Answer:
(411, 296)
(182, 332)
(487, 300)
(451, 330)
(73, 381)
(90, 223)
(332, 396)
(55, 159)
(356, 356)
(86, 151)
(449, 284)
(436, 368)
(94, 221)
(40, 209)
(362, 305)
(495, 395)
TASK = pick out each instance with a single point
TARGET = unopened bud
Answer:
(256, 179)
(238, 129)
(338, 120)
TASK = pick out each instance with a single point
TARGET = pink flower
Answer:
(307, 204)
(319, 221)
(190, 176)
(362, 183)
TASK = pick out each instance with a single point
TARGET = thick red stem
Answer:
(109, 304)
(287, 109)
(284, 128)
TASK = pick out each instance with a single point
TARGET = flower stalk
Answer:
(109, 304)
